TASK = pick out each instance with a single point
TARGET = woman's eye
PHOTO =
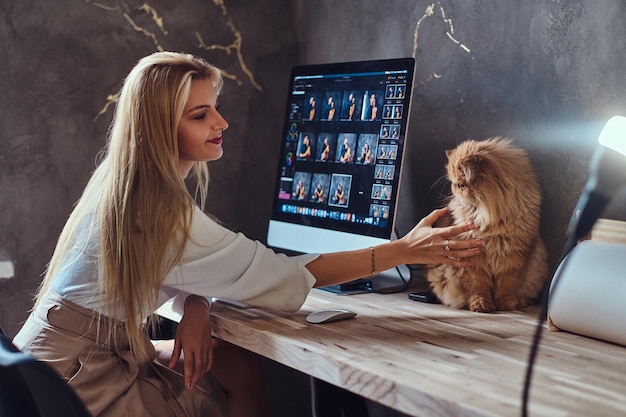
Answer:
(200, 116)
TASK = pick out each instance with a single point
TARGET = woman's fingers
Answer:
(433, 216)
(196, 364)
(175, 354)
(459, 252)
(461, 244)
(457, 230)
(188, 366)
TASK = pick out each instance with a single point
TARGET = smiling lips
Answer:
(216, 141)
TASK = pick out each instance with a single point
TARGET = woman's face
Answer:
(200, 128)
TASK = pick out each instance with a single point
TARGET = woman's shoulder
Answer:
(206, 227)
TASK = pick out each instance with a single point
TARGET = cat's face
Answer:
(466, 172)
(491, 180)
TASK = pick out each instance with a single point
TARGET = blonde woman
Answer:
(136, 238)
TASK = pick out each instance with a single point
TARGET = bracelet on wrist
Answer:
(374, 271)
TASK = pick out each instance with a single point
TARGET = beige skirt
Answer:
(111, 382)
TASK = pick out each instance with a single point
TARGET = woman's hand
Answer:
(435, 245)
(194, 340)
(424, 244)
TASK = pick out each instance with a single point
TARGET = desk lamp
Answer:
(607, 174)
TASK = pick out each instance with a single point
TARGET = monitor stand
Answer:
(389, 281)
(386, 282)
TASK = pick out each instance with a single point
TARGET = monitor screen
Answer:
(341, 155)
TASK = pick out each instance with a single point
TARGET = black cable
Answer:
(543, 315)
(405, 281)
(404, 287)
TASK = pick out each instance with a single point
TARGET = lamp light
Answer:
(613, 135)
(607, 173)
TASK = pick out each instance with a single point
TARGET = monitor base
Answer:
(386, 282)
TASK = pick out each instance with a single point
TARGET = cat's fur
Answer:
(494, 187)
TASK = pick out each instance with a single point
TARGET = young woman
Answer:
(137, 238)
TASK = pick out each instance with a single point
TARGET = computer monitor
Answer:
(340, 160)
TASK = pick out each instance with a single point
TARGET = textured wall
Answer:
(62, 63)
(546, 73)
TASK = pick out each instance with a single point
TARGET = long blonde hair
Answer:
(136, 197)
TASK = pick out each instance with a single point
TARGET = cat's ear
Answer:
(449, 152)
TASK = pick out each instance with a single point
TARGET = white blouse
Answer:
(216, 262)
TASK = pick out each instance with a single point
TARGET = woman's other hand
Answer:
(194, 341)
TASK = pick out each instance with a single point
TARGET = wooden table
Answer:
(431, 360)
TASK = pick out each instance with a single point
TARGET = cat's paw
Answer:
(481, 305)
(507, 303)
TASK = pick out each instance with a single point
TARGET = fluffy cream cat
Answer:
(495, 187)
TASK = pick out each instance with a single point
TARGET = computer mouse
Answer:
(330, 315)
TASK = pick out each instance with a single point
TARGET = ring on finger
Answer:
(447, 247)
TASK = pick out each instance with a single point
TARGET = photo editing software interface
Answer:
(340, 163)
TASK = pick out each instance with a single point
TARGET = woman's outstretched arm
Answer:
(424, 244)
